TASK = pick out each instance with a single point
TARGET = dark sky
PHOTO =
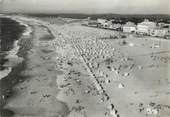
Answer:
(87, 6)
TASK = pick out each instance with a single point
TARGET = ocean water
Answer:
(10, 32)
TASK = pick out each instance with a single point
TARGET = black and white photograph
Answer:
(84, 58)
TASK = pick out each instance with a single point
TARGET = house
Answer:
(167, 26)
(93, 23)
(108, 24)
(117, 27)
(84, 23)
(167, 36)
(163, 25)
(144, 27)
(158, 32)
(129, 27)
(103, 23)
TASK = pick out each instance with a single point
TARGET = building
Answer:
(103, 23)
(144, 27)
(84, 23)
(112, 26)
(108, 24)
(129, 27)
(163, 25)
(117, 27)
(167, 26)
(158, 32)
(91, 23)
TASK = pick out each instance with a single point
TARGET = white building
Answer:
(158, 32)
(108, 24)
(129, 27)
(115, 26)
(91, 23)
(144, 27)
(103, 22)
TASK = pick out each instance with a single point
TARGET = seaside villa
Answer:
(158, 32)
(129, 27)
(144, 27)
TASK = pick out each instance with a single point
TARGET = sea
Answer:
(10, 32)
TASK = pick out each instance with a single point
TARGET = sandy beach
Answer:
(75, 71)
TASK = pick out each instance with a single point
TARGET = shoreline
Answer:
(10, 56)
(15, 64)
(17, 77)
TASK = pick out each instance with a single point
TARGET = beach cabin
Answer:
(144, 27)
(129, 27)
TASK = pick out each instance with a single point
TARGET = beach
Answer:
(70, 70)
(11, 85)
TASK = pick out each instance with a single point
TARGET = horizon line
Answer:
(86, 13)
